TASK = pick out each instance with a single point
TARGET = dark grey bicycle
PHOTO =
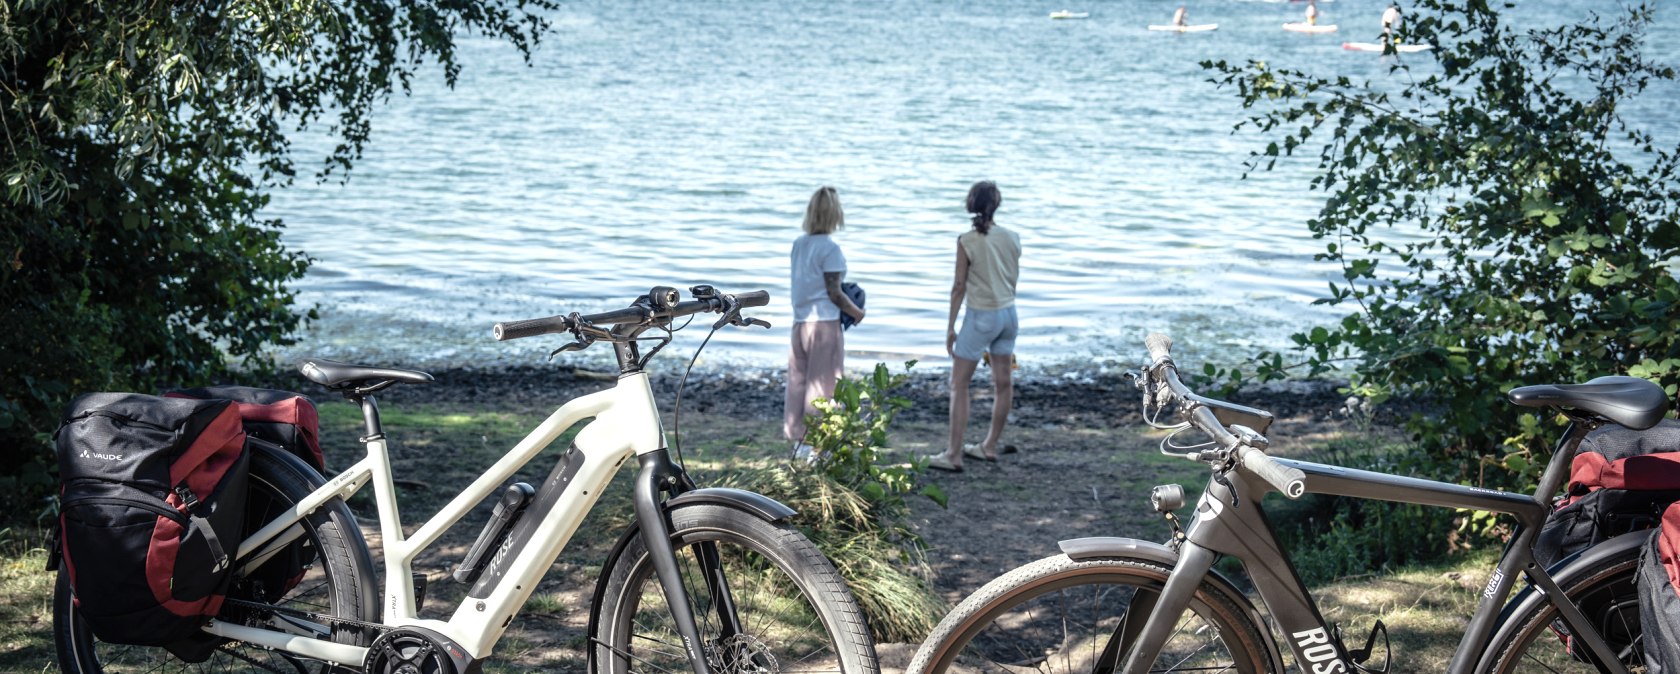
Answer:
(1124, 605)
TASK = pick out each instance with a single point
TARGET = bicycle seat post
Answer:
(370, 417)
(1563, 458)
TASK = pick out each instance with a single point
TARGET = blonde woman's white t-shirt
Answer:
(812, 256)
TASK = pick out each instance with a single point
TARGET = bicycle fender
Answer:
(764, 507)
(1098, 547)
(1563, 572)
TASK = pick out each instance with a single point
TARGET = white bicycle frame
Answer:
(625, 423)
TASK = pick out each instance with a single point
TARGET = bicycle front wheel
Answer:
(1058, 615)
(791, 611)
(328, 577)
(1608, 595)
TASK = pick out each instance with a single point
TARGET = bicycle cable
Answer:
(676, 414)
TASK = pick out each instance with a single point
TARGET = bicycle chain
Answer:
(316, 617)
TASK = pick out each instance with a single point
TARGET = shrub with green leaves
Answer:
(1497, 220)
(851, 504)
(141, 140)
(849, 432)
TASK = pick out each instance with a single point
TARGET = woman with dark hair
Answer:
(988, 264)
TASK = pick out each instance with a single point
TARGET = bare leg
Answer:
(1003, 382)
(962, 370)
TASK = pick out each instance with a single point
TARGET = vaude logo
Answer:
(106, 457)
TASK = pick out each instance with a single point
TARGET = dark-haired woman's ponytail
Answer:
(983, 201)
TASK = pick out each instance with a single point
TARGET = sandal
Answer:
(972, 451)
(939, 462)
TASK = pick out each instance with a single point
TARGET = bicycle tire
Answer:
(796, 612)
(1021, 622)
(1608, 595)
(337, 582)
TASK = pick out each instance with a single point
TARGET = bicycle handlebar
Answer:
(656, 307)
(1204, 415)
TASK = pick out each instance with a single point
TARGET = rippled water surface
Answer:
(676, 142)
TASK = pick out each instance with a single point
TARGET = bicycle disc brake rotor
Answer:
(741, 654)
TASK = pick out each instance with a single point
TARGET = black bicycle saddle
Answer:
(1630, 401)
(333, 374)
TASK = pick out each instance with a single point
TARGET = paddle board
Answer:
(1377, 47)
(1065, 14)
(1187, 29)
(1302, 27)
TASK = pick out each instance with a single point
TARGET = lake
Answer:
(676, 142)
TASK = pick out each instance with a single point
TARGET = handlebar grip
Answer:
(529, 328)
(1290, 481)
(1160, 346)
(756, 298)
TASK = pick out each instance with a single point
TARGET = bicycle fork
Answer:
(659, 474)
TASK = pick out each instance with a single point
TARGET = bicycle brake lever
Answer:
(574, 346)
(749, 322)
(731, 313)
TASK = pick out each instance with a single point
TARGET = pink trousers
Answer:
(814, 364)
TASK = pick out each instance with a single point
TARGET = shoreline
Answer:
(1096, 397)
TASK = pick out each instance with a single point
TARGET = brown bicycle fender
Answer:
(1102, 547)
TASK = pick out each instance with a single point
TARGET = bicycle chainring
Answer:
(410, 650)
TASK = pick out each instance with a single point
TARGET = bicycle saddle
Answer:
(335, 375)
(1630, 401)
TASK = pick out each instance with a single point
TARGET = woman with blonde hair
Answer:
(988, 265)
(818, 353)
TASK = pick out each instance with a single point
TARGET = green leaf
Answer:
(932, 491)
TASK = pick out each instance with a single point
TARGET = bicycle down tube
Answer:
(625, 423)
(1230, 520)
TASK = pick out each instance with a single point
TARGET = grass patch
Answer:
(25, 602)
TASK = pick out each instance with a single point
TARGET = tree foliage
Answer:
(140, 142)
(1497, 220)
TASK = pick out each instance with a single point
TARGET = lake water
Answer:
(675, 142)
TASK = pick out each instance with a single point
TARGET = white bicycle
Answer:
(708, 580)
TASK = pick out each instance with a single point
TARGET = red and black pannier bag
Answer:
(1659, 596)
(1620, 481)
(288, 420)
(151, 510)
(282, 417)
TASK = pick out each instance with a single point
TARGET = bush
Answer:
(1497, 221)
(851, 505)
(1329, 537)
(141, 140)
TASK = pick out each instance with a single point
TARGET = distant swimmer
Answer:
(1391, 20)
(1312, 12)
(1178, 17)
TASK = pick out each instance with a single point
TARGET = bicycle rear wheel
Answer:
(1608, 595)
(1058, 615)
(336, 581)
(793, 610)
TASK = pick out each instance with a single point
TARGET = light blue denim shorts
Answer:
(987, 331)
